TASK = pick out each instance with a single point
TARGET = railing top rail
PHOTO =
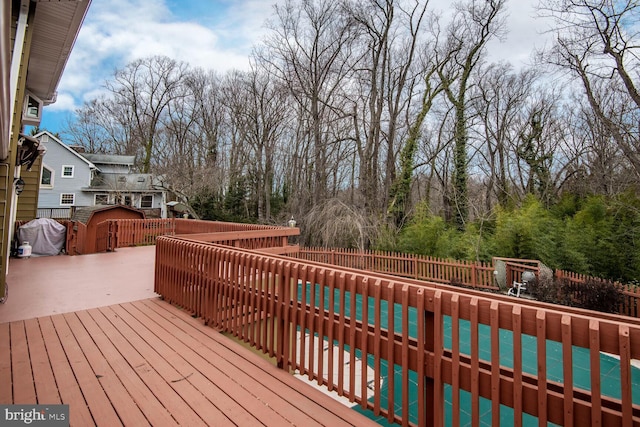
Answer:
(237, 235)
(518, 265)
(517, 260)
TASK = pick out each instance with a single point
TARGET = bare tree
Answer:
(503, 95)
(474, 24)
(145, 88)
(307, 51)
(100, 126)
(597, 42)
(264, 118)
(386, 80)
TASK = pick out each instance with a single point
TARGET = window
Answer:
(67, 171)
(46, 180)
(146, 202)
(102, 199)
(67, 199)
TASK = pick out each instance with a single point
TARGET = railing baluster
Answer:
(341, 327)
(405, 355)
(322, 280)
(594, 355)
(364, 351)
(475, 363)
(567, 369)
(312, 330)
(455, 362)
(541, 328)
(517, 365)
(304, 277)
(625, 374)
(435, 414)
(494, 316)
(352, 338)
(390, 352)
(377, 344)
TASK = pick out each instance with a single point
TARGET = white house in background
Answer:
(71, 179)
(64, 173)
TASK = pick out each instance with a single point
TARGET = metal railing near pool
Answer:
(444, 357)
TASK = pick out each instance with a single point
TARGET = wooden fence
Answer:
(630, 305)
(468, 273)
(498, 360)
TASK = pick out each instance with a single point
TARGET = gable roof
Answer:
(84, 214)
(66, 147)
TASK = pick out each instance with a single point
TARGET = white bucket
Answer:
(24, 250)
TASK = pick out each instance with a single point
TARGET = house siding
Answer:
(28, 200)
(8, 169)
(55, 158)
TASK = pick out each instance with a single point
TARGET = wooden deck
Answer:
(148, 363)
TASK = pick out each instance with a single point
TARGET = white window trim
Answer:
(72, 171)
(68, 204)
(52, 175)
(146, 195)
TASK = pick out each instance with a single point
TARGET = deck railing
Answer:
(122, 233)
(443, 356)
(137, 232)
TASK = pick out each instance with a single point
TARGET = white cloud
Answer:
(220, 37)
(116, 32)
(64, 102)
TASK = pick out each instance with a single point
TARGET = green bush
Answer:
(530, 232)
(429, 234)
(603, 239)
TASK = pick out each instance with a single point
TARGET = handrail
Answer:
(436, 338)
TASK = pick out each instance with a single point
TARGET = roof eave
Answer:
(55, 28)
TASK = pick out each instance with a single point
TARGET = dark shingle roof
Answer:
(109, 159)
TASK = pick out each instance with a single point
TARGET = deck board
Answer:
(197, 408)
(314, 406)
(99, 404)
(167, 396)
(45, 383)
(229, 376)
(149, 363)
(127, 410)
(67, 386)
(141, 395)
(6, 389)
(193, 367)
(23, 389)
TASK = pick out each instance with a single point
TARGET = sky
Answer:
(212, 34)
